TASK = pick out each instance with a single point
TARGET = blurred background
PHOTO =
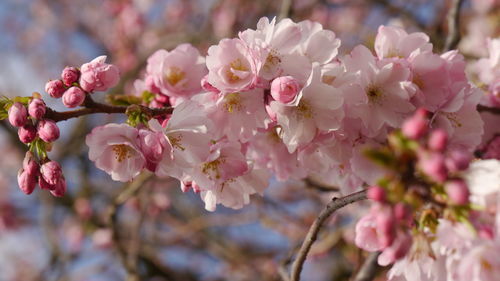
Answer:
(161, 233)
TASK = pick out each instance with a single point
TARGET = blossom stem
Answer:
(91, 107)
(368, 270)
(453, 19)
(312, 234)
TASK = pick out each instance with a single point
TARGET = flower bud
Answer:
(30, 165)
(207, 86)
(18, 114)
(386, 225)
(285, 89)
(51, 172)
(438, 140)
(98, 75)
(37, 108)
(73, 97)
(415, 127)
(433, 165)
(402, 212)
(70, 75)
(27, 133)
(48, 130)
(458, 160)
(458, 192)
(45, 185)
(55, 88)
(376, 193)
(60, 188)
(26, 181)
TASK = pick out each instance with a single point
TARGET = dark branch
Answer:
(369, 268)
(494, 110)
(453, 19)
(91, 107)
(312, 234)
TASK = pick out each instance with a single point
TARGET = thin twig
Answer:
(312, 234)
(369, 268)
(453, 19)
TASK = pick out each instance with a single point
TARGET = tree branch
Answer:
(368, 270)
(453, 19)
(494, 110)
(312, 234)
(286, 6)
(91, 107)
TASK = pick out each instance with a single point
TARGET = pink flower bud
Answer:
(415, 127)
(60, 188)
(48, 130)
(55, 88)
(438, 140)
(45, 185)
(284, 89)
(51, 172)
(458, 192)
(151, 145)
(18, 115)
(376, 193)
(386, 225)
(37, 108)
(30, 165)
(433, 165)
(26, 181)
(98, 75)
(207, 86)
(458, 160)
(27, 133)
(402, 212)
(70, 75)
(73, 97)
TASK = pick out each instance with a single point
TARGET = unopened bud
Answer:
(48, 130)
(386, 225)
(376, 193)
(285, 89)
(60, 188)
(458, 160)
(70, 75)
(458, 192)
(37, 108)
(26, 181)
(73, 97)
(51, 172)
(438, 140)
(416, 126)
(55, 88)
(27, 133)
(433, 165)
(18, 115)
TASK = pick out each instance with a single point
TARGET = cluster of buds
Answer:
(48, 175)
(76, 83)
(423, 184)
(28, 116)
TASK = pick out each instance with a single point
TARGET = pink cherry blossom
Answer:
(98, 75)
(395, 42)
(115, 149)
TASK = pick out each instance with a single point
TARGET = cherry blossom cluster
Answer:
(277, 100)
(423, 185)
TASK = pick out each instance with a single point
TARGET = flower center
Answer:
(211, 169)
(174, 75)
(374, 94)
(304, 109)
(122, 151)
(233, 102)
(235, 66)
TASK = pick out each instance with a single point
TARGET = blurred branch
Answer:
(310, 183)
(368, 270)
(285, 9)
(120, 199)
(312, 234)
(453, 19)
(494, 110)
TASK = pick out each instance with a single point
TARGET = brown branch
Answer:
(312, 234)
(453, 18)
(494, 110)
(91, 107)
(369, 268)
(285, 9)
